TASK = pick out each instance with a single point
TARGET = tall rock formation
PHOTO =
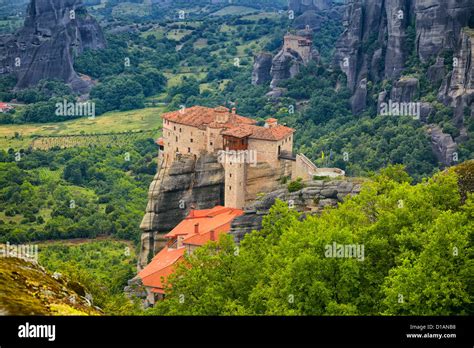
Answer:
(297, 51)
(301, 6)
(54, 32)
(458, 87)
(187, 183)
(375, 43)
(261, 68)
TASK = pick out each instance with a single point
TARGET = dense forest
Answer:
(75, 192)
(417, 257)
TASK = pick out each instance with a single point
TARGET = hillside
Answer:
(28, 289)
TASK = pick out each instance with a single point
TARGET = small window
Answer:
(176, 139)
(177, 150)
(230, 175)
(191, 139)
(189, 150)
(174, 127)
(211, 143)
(180, 130)
(230, 188)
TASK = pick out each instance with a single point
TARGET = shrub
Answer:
(295, 185)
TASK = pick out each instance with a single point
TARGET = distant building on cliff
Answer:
(302, 45)
(241, 146)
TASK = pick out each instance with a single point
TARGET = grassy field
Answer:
(200, 43)
(111, 122)
(234, 11)
(158, 33)
(262, 15)
(175, 79)
(131, 9)
(177, 34)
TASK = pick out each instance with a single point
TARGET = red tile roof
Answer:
(160, 267)
(217, 219)
(277, 132)
(200, 116)
(236, 125)
(5, 106)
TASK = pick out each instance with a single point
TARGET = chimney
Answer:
(222, 114)
(234, 110)
(271, 122)
(196, 228)
(213, 235)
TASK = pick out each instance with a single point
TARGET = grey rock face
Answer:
(436, 72)
(405, 90)
(359, 99)
(457, 89)
(188, 183)
(54, 32)
(285, 65)
(300, 6)
(439, 23)
(384, 26)
(443, 145)
(312, 199)
(261, 69)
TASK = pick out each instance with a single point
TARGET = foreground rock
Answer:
(27, 289)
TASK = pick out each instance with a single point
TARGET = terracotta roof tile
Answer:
(160, 266)
(255, 132)
(217, 219)
(200, 116)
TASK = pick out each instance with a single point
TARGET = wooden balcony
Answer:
(233, 143)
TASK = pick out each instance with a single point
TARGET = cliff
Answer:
(301, 6)
(457, 89)
(188, 182)
(374, 45)
(54, 32)
(312, 199)
(261, 68)
(27, 289)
